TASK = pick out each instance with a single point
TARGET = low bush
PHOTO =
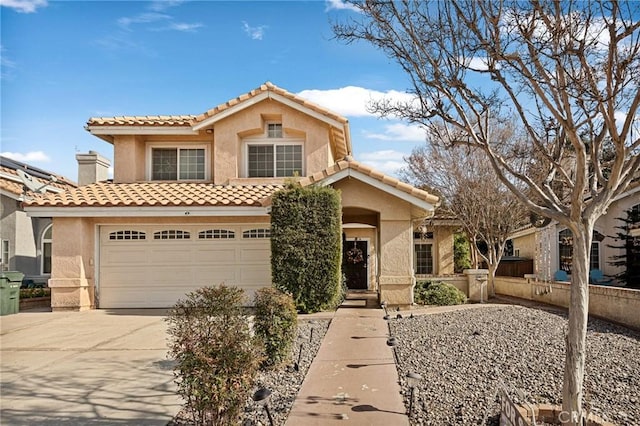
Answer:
(438, 293)
(275, 324)
(30, 293)
(216, 355)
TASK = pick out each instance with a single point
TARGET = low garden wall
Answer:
(620, 305)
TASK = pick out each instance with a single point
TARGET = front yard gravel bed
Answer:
(462, 357)
(284, 381)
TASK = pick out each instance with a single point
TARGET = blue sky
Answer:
(63, 62)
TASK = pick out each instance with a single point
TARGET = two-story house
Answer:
(189, 206)
(26, 243)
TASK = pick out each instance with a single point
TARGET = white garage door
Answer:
(154, 266)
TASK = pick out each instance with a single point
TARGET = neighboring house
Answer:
(551, 246)
(188, 206)
(26, 242)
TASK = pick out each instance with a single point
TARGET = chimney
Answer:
(92, 168)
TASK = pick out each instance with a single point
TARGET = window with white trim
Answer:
(47, 245)
(257, 233)
(216, 234)
(274, 130)
(4, 252)
(171, 234)
(127, 235)
(172, 163)
(274, 160)
(565, 250)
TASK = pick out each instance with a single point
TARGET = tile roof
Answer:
(10, 181)
(349, 163)
(270, 87)
(148, 194)
(190, 120)
(146, 120)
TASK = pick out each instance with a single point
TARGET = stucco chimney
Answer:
(92, 168)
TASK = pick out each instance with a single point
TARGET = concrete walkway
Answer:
(353, 378)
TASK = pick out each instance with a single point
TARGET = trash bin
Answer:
(10, 292)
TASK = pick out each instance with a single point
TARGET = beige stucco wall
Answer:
(443, 262)
(616, 304)
(225, 145)
(72, 271)
(526, 244)
(395, 245)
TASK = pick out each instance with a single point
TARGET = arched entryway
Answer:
(359, 248)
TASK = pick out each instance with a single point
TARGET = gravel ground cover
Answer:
(463, 356)
(284, 382)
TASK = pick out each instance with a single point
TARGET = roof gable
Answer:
(353, 169)
(106, 127)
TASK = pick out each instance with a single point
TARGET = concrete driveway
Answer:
(75, 368)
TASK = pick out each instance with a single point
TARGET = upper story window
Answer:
(274, 130)
(273, 154)
(172, 163)
(274, 160)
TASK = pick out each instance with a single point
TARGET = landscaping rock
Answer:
(463, 357)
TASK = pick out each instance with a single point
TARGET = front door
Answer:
(354, 264)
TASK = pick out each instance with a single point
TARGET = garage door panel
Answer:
(254, 254)
(147, 273)
(215, 255)
(125, 255)
(180, 254)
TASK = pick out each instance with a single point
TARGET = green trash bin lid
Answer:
(12, 276)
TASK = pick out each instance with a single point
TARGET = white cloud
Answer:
(160, 5)
(352, 100)
(29, 157)
(143, 18)
(340, 5)
(184, 27)
(24, 6)
(399, 132)
(255, 33)
(387, 161)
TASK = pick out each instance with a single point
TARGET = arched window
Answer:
(46, 245)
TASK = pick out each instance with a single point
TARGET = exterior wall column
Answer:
(396, 279)
(477, 280)
(71, 282)
(444, 251)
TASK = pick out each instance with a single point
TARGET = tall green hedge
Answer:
(306, 245)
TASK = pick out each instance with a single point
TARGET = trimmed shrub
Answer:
(438, 293)
(306, 245)
(30, 293)
(275, 324)
(217, 358)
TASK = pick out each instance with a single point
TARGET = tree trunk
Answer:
(491, 283)
(572, 391)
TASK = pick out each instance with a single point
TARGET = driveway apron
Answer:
(92, 367)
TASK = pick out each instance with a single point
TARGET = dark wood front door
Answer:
(354, 264)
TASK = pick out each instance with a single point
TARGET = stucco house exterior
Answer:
(26, 242)
(550, 246)
(188, 206)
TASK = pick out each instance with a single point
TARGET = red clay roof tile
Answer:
(108, 194)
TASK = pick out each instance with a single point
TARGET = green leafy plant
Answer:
(306, 245)
(216, 356)
(438, 293)
(461, 253)
(275, 324)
